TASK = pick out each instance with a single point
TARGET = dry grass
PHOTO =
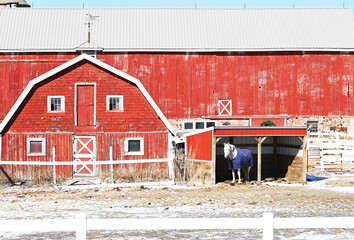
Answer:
(136, 172)
(31, 175)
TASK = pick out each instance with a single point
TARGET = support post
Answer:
(259, 140)
(111, 160)
(54, 170)
(171, 156)
(81, 226)
(268, 226)
(304, 158)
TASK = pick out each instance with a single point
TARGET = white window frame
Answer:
(126, 146)
(194, 122)
(37, 140)
(49, 104)
(225, 106)
(120, 103)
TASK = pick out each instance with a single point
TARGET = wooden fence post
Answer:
(111, 159)
(54, 170)
(81, 226)
(268, 226)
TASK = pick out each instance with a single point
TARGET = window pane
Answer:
(36, 147)
(199, 125)
(114, 104)
(312, 126)
(134, 146)
(210, 124)
(55, 104)
(188, 125)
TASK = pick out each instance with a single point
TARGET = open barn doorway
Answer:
(282, 157)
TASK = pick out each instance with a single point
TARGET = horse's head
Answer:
(227, 149)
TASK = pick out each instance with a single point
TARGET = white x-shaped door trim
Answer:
(78, 155)
(225, 107)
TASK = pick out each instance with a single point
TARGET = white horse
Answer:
(244, 161)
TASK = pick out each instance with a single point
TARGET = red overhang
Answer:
(260, 131)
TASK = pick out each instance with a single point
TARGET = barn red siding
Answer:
(253, 132)
(190, 85)
(138, 115)
(14, 148)
(200, 146)
(256, 122)
(33, 120)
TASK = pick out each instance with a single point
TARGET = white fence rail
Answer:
(81, 224)
(110, 162)
(328, 151)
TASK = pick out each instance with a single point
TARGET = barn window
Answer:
(225, 107)
(188, 125)
(312, 126)
(210, 124)
(134, 146)
(191, 125)
(56, 103)
(114, 103)
(199, 125)
(35, 146)
(90, 53)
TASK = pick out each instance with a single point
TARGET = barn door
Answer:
(84, 154)
(85, 105)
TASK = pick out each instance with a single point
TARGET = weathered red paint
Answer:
(280, 122)
(85, 105)
(138, 119)
(260, 131)
(200, 146)
(190, 84)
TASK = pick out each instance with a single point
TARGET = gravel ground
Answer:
(324, 196)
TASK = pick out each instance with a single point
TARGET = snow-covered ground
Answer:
(322, 196)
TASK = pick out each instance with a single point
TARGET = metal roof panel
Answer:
(178, 29)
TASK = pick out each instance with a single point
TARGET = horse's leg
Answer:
(239, 175)
(246, 171)
(233, 175)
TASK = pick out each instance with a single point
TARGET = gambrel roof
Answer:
(174, 30)
(33, 83)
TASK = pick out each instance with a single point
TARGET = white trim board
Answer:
(70, 63)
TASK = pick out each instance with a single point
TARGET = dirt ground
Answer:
(324, 196)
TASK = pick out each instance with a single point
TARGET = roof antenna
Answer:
(244, 4)
(195, 4)
(90, 19)
(343, 3)
(83, 4)
(293, 4)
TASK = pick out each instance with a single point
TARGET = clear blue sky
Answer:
(191, 3)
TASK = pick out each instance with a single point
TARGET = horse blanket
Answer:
(244, 158)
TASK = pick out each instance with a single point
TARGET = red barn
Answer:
(83, 108)
(202, 67)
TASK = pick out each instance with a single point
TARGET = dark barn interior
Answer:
(281, 157)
